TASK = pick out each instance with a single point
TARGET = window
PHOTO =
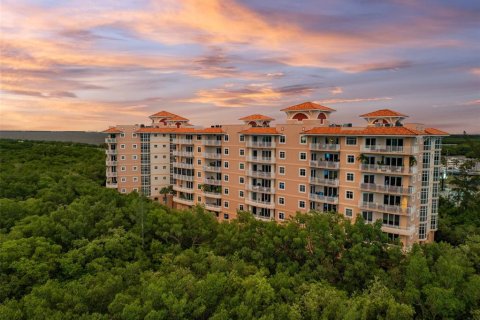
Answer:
(302, 188)
(281, 185)
(241, 152)
(225, 164)
(302, 156)
(349, 194)
(241, 138)
(199, 161)
(303, 139)
(391, 219)
(281, 154)
(199, 186)
(122, 158)
(225, 177)
(134, 168)
(122, 135)
(241, 194)
(350, 176)
(123, 168)
(302, 172)
(225, 216)
(281, 200)
(199, 149)
(225, 151)
(199, 174)
(281, 215)
(122, 146)
(281, 170)
(368, 216)
(134, 135)
(301, 204)
(350, 158)
(134, 146)
(124, 179)
(226, 137)
(124, 190)
(241, 180)
(348, 212)
(134, 157)
(225, 204)
(226, 191)
(240, 207)
(351, 141)
(199, 199)
(241, 166)
(283, 139)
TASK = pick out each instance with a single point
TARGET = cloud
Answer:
(336, 90)
(352, 100)
(380, 66)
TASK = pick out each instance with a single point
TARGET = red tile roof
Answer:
(260, 130)
(308, 106)
(367, 131)
(210, 131)
(436, 132)
(256, 117)
(169, 115)
(383, 113)
(112, 130)
(166, 130)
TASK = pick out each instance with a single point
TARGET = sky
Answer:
(87, 65)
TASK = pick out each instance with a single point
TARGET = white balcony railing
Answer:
(324, 146)
(110, 152)
(182, 177)
(388, 169)
(260, 174)
(112, 185)
(215, 195)
(111, 163)
(182, 141)
(389, 149)
(111, 174)
(212, 142)
(212, 168)
(261, 159)
(183, 165)
(324, 182)
(182, 153)
(182, 189)
(213, 207)
(110, 140)
(323, 198)
(211, 155)
(188, 202)
(215, 182)
(325, 164)
(404, 231)
(260, 144)
(386, 208)
(260, 203)
(387, 188)
(261, 189)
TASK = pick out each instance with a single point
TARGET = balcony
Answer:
(260, 144)
(182, 153)
(183, 165)
(110, 140)
(386, 208)
(324, 182)
(112, 185)
(215, 182)
(263, 218)
(212, 168)
(213, 207)
(325, 164)
(111, 163)
(111, 174)
(188, 202)
(182, 189)
(211, 142)
(214, 195)
(403, 231)
(209, 155)
(323, 198)
(387, 189)
(389, 149)
(261, 203)
(261, 174)
(110, 152)
(324, 147)
(261, 159)
(182, 177)
(261, 189)
(182, 141)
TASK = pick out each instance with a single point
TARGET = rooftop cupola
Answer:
(257, 120)
(308, 113)
(168, 119)
(384, 118)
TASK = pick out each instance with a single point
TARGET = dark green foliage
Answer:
(71, 249)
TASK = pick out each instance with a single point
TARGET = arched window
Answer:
(300, 116)
(163, 121)
(322, 117)
(252, 123)
(265, 123)
(178, 124)
(383, 121)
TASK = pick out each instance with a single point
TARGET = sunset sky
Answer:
(86, 65)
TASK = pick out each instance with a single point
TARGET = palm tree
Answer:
(412, 161)
(362, 158)
(165, 191)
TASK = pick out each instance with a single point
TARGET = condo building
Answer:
(387, 170)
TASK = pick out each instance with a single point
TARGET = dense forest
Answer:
(72, 249)
(462, 145)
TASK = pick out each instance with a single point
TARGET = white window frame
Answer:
(300, 156)
(284, 185)
(226, 151)
(226, 164)
(241, 152)
(351, 210)
(284, 139)
(122, 146)
(346, 195)
(300, 170)
(351, 155)
(241, 180)
(304, 204)
(284, 170)
(304, 186)
(240, 164)
(241, 194)
(226, 177)
(301, 138)
(280, 154)
(346, 176)
(280, 200)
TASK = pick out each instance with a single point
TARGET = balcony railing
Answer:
(182, 141)
(260, 144)
(213, 207)
(389, 149)
(183, 165)
(110, 152)
(111, 163)
(404, 231)
(263, 218)
(113, 185)
(261, 189)
(387, 188)
(215, 182)
(111, 174)
(325, 164)
(323, 198)
(260, 203)
(188, 202)
(212, 168)
(324, 146)
(182, 153)
(111, 140)
(260, 174)
(212, 142)
(386, 208)
(182, 177)
(183, 189)
(210, 155)
(388, 169)
(324, 182)
(215, 195)
(261, 159)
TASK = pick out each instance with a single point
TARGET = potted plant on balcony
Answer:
(412, 161)
(362, 158)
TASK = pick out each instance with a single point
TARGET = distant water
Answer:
(65, 136)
